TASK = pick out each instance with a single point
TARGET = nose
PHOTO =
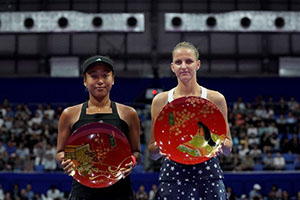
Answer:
(100, 81)
(183, 65)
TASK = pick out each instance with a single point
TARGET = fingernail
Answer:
(72, 173)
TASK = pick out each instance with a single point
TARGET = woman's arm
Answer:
(64, 132)
(158, 103)
(220, 102)
(134, 133)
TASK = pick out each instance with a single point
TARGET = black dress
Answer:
(121, 190)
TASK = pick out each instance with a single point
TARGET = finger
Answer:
(129, 164)
(64, 163)
(69, 166)
(125, 173)
(71, 170)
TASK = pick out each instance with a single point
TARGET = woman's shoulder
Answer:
(124, 108)
(71, 110)
(215, 96)
(160, 98)
(125, 111)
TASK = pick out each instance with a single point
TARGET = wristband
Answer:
(133, 160)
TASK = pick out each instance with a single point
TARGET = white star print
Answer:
(178, 182)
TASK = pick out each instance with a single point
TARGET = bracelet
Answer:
(133, 160)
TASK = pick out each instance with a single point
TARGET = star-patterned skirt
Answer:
(203, 190)
(203, 181)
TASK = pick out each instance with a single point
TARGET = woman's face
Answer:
(185, 64)
(99, 80)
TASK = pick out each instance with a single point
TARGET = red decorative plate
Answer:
(100, 153)
(189, 130)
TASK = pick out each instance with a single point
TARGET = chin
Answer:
(185, 78)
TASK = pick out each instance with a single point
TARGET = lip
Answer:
(100, 88)
(184, 73)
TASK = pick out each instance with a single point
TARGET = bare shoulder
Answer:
(218, 99)
(70, 114)
(125, 110)
(69, 111)
(160, 99)
(215, 96)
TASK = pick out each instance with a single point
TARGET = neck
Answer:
(187, 89)
(99, 103)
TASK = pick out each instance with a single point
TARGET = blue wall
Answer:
(131, 90)
(242, 183)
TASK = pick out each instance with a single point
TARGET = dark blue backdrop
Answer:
(132, 90)
(242, 183)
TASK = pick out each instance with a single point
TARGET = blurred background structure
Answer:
(249, 51)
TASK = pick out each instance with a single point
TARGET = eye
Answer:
(189, 61)
(105, 75)
(94, 76)
(178, 62)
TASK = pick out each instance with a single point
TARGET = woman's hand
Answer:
(68, 166)
(129, 166)
(225, 148)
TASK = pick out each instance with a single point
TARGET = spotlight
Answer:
(28, 23)
(63, 22)
(97, 21)
(245, 22)
(279, 22)
(211, 21)
(176, 21)
(131, 21)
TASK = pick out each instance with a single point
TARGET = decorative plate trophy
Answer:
(100, 153)
(189, 130)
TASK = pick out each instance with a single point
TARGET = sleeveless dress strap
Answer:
(83, 109)
(204, 92)
(170, 95)
(114, 109)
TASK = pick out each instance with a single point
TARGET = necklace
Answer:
(96, 109)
